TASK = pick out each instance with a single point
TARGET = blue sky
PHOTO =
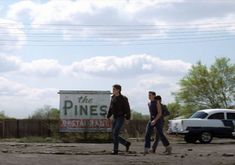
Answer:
(47, 46)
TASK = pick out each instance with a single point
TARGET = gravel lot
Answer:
(217, 153)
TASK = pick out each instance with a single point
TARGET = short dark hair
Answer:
(152, 92)
(158, 97)
(118, 87)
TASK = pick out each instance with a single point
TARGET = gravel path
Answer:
(220, 152)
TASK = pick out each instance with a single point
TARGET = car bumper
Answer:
(173, 132)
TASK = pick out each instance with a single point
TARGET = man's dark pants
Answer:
(116, 128)
(149, 131)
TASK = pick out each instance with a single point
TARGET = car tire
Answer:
(190, 138)
(205, 137)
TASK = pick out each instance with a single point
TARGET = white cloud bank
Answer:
(42, 68)
(129, 66)
(9, 63)
(27, 85)
(100, 66)
(12, 35)
(136, 73)
(160, 13)
(19, 100)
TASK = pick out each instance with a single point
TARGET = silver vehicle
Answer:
(204, 125)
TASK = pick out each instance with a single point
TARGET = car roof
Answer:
(211, 111)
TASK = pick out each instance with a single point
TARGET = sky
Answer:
(52, 45)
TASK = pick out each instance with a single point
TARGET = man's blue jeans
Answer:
(149, 131)
(116, 128)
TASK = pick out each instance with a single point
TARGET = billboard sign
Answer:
(84, 111)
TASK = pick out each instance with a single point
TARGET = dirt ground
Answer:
(219, 152)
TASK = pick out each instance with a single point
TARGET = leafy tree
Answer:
(138, 116)
(223, 80)
(174, 109)
(2, 115)
(212, 87)
(46, 113)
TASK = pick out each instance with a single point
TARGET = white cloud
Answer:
(36, 68)
(26, 85)
(42, 68)
(137, 73)
(20, 9)
(9, 63)
(226, 24)
(12, 35)
(8, 87)
(138, 93)
(129, 66)
(109, 67)
(161, 13)
(49, 12)
(45, 16)
(19, 100)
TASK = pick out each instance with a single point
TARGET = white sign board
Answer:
(84, 111)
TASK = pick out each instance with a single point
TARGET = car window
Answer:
(217, 116)
(199, 115)
(231, 116)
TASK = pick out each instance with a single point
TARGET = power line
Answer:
(122, 34)
(118, 25)
(119, 34)
(126, 44)
(119, 39)
(142, 2)
(131, 43)
(118, 31)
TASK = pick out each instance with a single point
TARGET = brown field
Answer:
(220, 151)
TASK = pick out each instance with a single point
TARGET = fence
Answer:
(12, 128)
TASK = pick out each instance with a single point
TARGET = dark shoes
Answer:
(128, 144)
(153, 150)
(146, 151)
(114, 153)
(168, 150)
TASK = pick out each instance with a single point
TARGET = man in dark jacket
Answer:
(120, 109)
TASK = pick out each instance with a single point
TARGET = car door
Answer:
(231, 118)
(227, 125)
